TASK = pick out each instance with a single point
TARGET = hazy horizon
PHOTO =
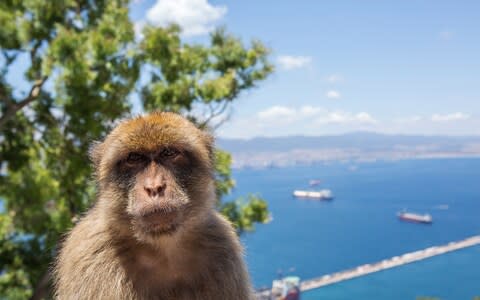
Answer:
(357, 132)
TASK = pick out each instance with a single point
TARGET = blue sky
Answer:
(409, 67)
(401, 67)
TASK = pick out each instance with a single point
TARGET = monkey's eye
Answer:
(134, 158)
(169, 153)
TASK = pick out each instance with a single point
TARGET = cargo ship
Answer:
(287, 288)
(415, 218)
(320, 195)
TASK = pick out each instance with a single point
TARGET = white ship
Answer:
(320, 195)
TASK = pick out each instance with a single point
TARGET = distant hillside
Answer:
(280, 151)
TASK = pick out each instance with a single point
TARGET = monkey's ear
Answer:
(95, 153)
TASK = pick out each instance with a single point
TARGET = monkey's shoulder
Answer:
(88, 238)
(85, 264)
(216, 239)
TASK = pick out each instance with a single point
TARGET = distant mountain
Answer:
(268, 151)
(363, 140)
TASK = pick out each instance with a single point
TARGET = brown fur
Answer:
(111, 254)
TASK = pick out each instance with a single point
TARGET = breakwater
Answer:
(388, 263)
(383, 265)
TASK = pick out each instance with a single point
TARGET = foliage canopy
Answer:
(82, 65)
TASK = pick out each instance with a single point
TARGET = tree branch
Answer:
(215, 112)
(13, 107)
(42, 289)
(33, 51)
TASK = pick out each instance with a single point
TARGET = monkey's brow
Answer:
(154, 153)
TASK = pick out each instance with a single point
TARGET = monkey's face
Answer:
(159, 169)
(157, 193)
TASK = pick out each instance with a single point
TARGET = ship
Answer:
(287, 288)
(320, 195)
(314, 182)
(415, 218)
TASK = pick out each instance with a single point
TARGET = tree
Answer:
(82, 64)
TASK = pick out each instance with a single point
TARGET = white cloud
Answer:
(278, 115)
(283, 114)
(308, 110)
(340, 117)
(276, 112)
(315, 120)
(364, 117)
(436, 118)
(334, 78)
(288, 62)
(411, 119)
(196, 17)
(333, 94)
(445, 35)
(334, 117)
(458, 116)
(302, 120)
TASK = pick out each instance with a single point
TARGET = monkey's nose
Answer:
(155, 191)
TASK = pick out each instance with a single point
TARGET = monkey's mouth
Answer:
(159, 221)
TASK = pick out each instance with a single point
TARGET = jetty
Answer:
(385, 264)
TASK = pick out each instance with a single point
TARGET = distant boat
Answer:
(314, 182)
(287, 288)
(442, 207)
(415, 218)
(320, 195)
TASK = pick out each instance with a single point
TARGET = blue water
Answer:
(309, 238)
(452, 276)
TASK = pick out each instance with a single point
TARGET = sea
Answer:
(308, 238)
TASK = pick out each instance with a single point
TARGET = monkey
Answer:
(153, 231)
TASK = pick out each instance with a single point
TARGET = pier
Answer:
(385, 264)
